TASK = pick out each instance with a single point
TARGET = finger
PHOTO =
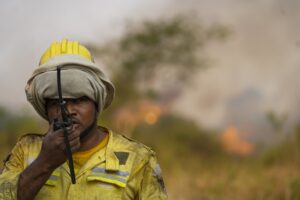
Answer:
(54, 135)
(51, 127)
(58, 134)
(75, 148)
(73, 135)
(75, 142)
(62, 147)
(71, 128)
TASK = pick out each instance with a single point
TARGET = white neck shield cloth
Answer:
(79, 77)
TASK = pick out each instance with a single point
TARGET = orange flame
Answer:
(144, 111)
(235, 144)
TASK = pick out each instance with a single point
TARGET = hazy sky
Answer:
(255, 71)
(28, 28)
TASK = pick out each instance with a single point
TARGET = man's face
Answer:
(82, 111)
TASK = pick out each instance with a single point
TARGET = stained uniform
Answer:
(121, 169)
(124, 169)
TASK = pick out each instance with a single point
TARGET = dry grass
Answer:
(234, 181)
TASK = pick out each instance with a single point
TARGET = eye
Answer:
(80, 100)
(52, 103)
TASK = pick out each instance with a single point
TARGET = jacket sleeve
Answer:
(152, 186)
(13, 166)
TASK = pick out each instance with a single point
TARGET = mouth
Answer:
(75, 124)
(75, 121)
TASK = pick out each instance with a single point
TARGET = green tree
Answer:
(144, 50)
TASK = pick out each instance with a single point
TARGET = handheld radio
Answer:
(65, 123)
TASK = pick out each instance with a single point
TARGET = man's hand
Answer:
(54, 146)
(52, 155)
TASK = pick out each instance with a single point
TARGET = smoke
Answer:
(252, 73)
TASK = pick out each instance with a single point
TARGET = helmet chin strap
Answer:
(65, 124)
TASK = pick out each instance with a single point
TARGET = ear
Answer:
(97, 108)
(46, 112)
(96, 113)
(46, 106)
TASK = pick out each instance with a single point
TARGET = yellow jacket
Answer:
(125, 169)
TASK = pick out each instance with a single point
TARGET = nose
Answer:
(70, 108)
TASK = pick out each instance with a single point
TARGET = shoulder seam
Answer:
(31, 134)
(138, 142)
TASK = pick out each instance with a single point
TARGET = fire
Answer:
(235, 144)
(151, 118)
(144, 111)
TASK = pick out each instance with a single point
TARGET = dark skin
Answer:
(84, 113)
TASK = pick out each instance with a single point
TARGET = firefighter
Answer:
(106, 165)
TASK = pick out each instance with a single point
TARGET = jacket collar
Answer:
(106, 155)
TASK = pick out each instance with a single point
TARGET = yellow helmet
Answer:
(65, 47)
